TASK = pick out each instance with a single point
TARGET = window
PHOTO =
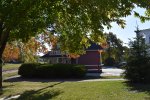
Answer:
(59, 60)
(149, 39)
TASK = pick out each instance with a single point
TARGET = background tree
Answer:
(138, 67)
(126, 53)
(114, 52)
(11, 53)
(27, 52)
(73, 20)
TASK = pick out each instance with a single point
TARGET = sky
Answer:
(131, 24)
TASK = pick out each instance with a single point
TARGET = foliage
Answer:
(126, 53)
(109, 62)
(138, 67)
(73, 21)
(11, 53)
(25, 52)
(114, 50)
(52, 71)
(28, 70)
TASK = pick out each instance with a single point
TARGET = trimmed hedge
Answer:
(36, 70)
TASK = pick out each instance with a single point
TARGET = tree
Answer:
(72, 20)
(126, 53)
(11, 53)
(28, 51)
(138, 67)
(114, 52)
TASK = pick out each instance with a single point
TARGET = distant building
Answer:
(91, 59)
(146, 35)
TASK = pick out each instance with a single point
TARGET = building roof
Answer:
(49, 55)
(145, 30)
(94, 46)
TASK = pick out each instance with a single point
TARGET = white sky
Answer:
(128, 31)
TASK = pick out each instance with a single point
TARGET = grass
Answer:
(111, 77)
(31, 89)
(107, 90)
(7, 75)
(11, 66)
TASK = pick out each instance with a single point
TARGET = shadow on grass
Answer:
(43, 93)
(20, 79)
(3, 88)
(40, 95)
(138, 87)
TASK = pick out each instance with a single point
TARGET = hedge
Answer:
(36, 70)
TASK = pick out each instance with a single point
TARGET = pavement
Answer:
(108, 71)
(111, 71)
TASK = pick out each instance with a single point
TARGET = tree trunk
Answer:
(1, 64)
(3, 41)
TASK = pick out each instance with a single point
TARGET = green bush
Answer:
(138, 66)
(52, 71)
(28, 69)
(138, 71)
(109, 62)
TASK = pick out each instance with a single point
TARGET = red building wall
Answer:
(90, 58)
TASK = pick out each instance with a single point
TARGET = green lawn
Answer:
(11, 66)
(111, 77)
(7, 75)
(106, 90)
(109, 90)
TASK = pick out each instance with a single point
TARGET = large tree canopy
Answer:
(74, 21)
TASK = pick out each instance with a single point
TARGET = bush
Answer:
(138, 71)
(138, 66)
(28, 69)
(52, 71)
(109, 62)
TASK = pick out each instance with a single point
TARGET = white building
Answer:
(146, 35)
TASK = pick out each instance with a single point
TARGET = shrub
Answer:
(138, 71)
(52, 71)
(138, 66)
(109, 62)
(28, 69)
